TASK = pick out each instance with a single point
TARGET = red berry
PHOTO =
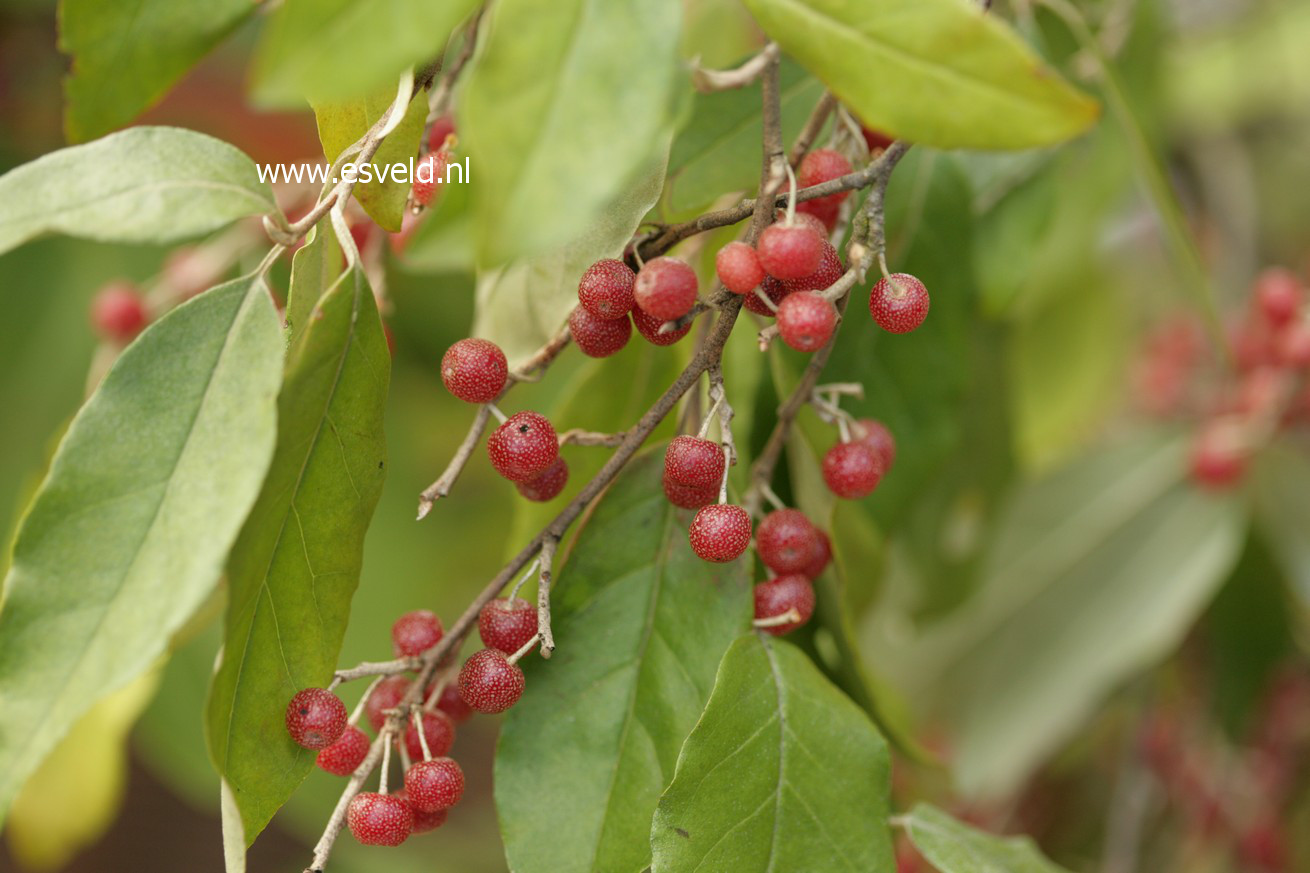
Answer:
(773, 289)
(523, 446)
(438, 730)
(428, 176)
(118, 312)
(649, 327)
(824, 213)
(876, 140)
(720, 532)
(852, 470)
(900, 308)
(789, 251)
(689, 497)
(665, 288)
(819, 560)
(507, 624)
(453, 705)
(342, 757)
(806, 321)
(694, 462)
(387, 695)
(1218, 457)
(806, 218)
(823, 165)
(431, 786)
(829, 271)
(605, 290)
(488, 682)
(414, 633)
(876, 434)
(423, 821)
(474, 370)
(598, 337)
(441, 128)
(778, 595)
(379, 819)
(547, 484)
(786, 541)
(738, 267)
(1278, 294)
(316, 718)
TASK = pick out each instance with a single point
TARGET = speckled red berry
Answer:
(876, 434)
(805, 219)
(1278, 294)
(829, 271)
(689, 497)
(474, 370)
(806, 321)
(852, 470)
(780, 594)
(316, 718)
(819, 560)
(379, 819)
(605, 290)
(507, 624)
(547, 484)
(431, 786)
(525, 445)
(1219, 458)
(665, 288)
(720, 532)
(423, 821)
(342, 757)
(786, 540)
(415, 632)
(694, 462)
(429, 173)
(899, 307)
(438, 730)
(598, 337)
(387, 695)
(773, 289)
(118, 312)
(649, 327)
(452, 704)
(789, 251)
(738, 267)
(823, 165)
(488, 682)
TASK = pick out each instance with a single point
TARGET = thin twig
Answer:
(375, 668)
(439, 99)
(813, 124)
(708, 81)
(579, 437)
(543, 596)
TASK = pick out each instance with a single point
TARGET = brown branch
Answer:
(439, 99)
(709, 81)
(544, 580)
(579, 437)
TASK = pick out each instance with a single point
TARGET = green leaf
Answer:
(339, 50)
(954, 847)
(146, 184)
(522, 304)
(546, 114)
(314, 269)
(942, 73)
(783, 772)
(296, 564)
(1282, 487)
(380, 193)
(641, 624)
(129, 531)
(127, 55)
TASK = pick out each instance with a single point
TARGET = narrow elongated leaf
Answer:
(296, 564)
(641, 624)
(954, 847)
(547, 115)
(783, 772)
(127, 55)
(301, 55)
(942, 73)
(146, 184)
(128, 533)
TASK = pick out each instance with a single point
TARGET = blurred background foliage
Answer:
(1040, 599)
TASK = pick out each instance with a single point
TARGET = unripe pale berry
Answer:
(876, 434)
(387, 695)
(1278, 294)
(522, 447)
(316, 718)
(694, 462)
(547, 484)
(665, 288)
(780, 594)
(822, 555)
(507, 624)
(720, 532)
(453, 705)
(738, 267)
(852, 470)
(414, 633)
(823, 165)
(829, 271)
(899, 308)
(488, 682)
(786, 541)
(438, 730)
(605, 290)
(474, 370)
(379, 819)
(432, 786)
(118, 312)
(689, 497)
(598, 337)
(342, 757)
(789, 251)
(774, 289)
(423, 821)
(1218, 460)
(428, 176)
(649, 327)
(806, 321)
